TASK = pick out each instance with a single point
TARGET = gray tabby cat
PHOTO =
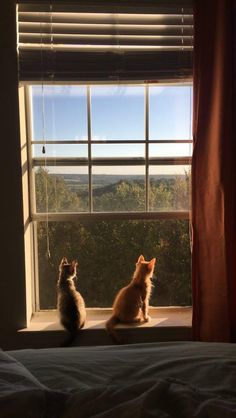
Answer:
(70, 303)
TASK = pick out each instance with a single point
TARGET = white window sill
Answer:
(166, 324)
(96, 318)
(44, 330)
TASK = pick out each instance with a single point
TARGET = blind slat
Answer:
(89, 41)
(92, 6)
(102, 18)
(165, 30)
(115, 40)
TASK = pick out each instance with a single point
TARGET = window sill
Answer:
(167, 324)
(96, 318)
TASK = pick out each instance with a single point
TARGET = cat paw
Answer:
(147, 318)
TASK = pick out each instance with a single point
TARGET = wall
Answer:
(12, 280)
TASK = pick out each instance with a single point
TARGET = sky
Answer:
(117, 113)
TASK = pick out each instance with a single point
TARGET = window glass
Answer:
(95, 160)
(170, 150)
(118, 150)
(118, 188)
(169, 188)
(107, 252)
(60, 150)
(117, 112)
(59, 112)
(170, 112)
(61, 189)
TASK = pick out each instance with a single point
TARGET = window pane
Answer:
(170, 112)
(61, 189)
(169, 188)
(117, 112)
(59, 112)
(107, 251)
(118, 188)
(170, 150)
(118, 150)
(61, 150)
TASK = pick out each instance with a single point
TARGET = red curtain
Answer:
(214, 171)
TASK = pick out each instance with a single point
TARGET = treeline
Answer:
(107, 250)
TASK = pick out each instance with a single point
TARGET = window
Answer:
(110, 177)
(108, 106)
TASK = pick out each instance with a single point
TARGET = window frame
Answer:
(89, 162)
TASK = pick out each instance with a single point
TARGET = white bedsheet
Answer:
(180, 379)
(22, 395)
(163, 398)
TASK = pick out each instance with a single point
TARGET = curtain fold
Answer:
(214, 172)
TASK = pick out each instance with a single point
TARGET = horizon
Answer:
(59, 113)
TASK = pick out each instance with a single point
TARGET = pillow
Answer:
(22, 395)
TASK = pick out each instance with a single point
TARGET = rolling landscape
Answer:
(107, 249)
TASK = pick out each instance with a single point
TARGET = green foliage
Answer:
(107, 250)
(170, 194)
(52, 193)
(124, 196)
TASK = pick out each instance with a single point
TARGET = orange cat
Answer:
(70, 303)
(131, 302)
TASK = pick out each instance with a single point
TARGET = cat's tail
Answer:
(73, 332)
(69, 339)
(110, 327)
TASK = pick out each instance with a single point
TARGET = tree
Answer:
(123, 196)
(107, 250)
(52, 193)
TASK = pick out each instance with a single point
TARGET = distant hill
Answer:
(103, 183)
(105, 179)
(112, 188)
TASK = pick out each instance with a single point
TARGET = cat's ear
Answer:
(73, 266)
(140, 259)
(74, 263)
(151, 264)
(64, 261)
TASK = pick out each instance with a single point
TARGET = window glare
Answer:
(170, 150)
(118, 150)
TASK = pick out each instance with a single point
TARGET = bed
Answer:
(174, 379)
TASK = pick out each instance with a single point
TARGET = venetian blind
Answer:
(102, 41)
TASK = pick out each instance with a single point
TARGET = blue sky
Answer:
(117, 113)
